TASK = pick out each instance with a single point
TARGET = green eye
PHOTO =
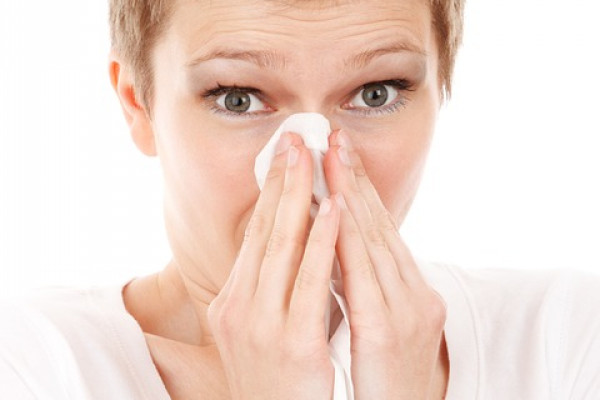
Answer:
(374, 94)
(237, 101)
(379, 98)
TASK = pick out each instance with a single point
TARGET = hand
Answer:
(396, 319)
(268, 320)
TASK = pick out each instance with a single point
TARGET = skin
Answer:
(206, 314)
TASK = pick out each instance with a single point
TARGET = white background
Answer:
(512, 181)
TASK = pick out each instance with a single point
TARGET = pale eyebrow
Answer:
(364, 58)
(262, 58)
(273, 60)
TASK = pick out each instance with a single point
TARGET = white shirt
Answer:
(511, 334)
(75, 344)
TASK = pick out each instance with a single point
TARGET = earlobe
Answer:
(139, 124)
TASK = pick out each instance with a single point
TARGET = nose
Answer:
(324, 111)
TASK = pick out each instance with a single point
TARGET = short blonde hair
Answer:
(136, 26)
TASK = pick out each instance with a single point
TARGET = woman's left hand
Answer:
(396, 319)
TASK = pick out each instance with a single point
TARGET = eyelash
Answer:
(398, 84)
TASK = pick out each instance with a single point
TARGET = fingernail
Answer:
(343, 140)
(325, 206)
(344, 157)
(283, 144)
(292, 156)
(339, 199)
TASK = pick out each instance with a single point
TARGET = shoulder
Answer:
(573, 336)
(65, 342)
(32, 341)
(500, 289)
(512, 295)
(53, 314)
(537, 331)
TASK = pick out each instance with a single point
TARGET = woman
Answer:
(238, 312)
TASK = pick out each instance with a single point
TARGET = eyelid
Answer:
(398, 84)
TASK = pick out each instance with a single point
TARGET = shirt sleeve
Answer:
(12, 383)
(574, 331)
(26, 370)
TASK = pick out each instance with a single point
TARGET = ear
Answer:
(135, 115)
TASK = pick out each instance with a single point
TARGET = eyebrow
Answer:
(273, 60)
(262, 58)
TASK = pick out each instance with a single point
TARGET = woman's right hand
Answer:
(268, 320)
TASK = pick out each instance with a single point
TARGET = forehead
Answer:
(295, 26)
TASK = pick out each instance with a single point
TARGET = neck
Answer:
(168, 304)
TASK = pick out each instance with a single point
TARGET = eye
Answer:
(374, 95)
(380, 98)
(235, 101)
(372, 99)
(239, 101)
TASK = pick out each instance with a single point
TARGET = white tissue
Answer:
(314, 129)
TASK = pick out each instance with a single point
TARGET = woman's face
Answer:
(287, 59)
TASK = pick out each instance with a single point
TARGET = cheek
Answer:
(395, 173)
(394, 159)
(228, 194)
(208, 173)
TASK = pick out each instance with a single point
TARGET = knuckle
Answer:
(276, 242)
(256, 226)
(224, 319)
(289, 190)
(375, 238)
(353, 234)
(360, 171)
(275, 174)
(356, 191)
(382, 337)
(385, 219)
(319, 240)
(432, 316)
(437, 313)
(296, 349)
(307, 279)
(280, 241)
(418, 328)
(364, 268)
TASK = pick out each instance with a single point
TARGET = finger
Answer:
(245, 273)
(310, 295)
(361, 286)
(405, 263)
(341, 179)
(287, 241)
